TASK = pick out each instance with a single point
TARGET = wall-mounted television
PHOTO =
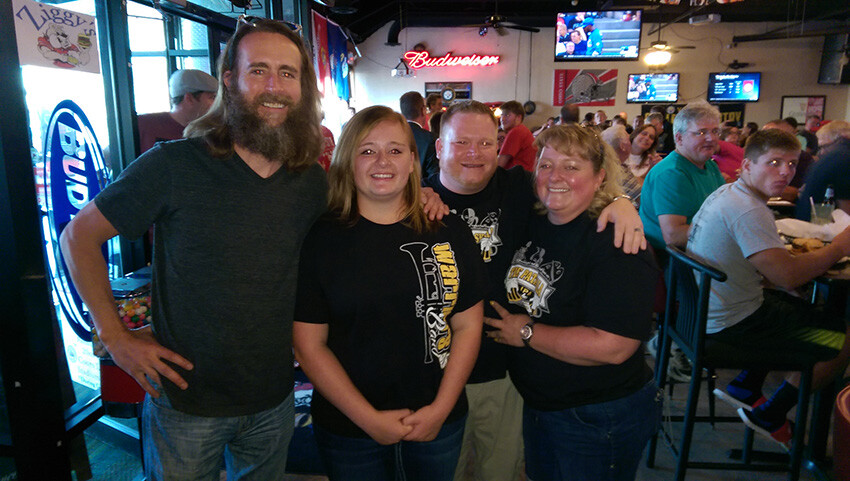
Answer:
(652, 87)
(601, 35)
(734, 87)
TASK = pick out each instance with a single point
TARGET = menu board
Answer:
(734, 87)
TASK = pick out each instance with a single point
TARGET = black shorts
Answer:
(788, 324)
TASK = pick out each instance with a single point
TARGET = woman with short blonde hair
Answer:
(579, 312)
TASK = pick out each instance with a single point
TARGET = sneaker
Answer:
(676, 373)
(680, 367)
(781, 433)
(755, 400)
(652, 346)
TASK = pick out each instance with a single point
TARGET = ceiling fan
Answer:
(499, 23)
(660, 52)
(662, 45)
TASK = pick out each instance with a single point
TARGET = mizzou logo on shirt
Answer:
(438, 284)
(530, 281)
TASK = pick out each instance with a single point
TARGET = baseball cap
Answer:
(187, 81)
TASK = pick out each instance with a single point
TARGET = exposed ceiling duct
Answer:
(364, 17)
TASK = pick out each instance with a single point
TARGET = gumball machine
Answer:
(121, 394)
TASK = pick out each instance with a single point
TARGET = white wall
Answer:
(526, 69)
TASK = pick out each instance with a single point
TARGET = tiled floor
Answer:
(713, 444)
(708, 445)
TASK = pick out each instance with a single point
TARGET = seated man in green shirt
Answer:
(674, 190)
(676, 187)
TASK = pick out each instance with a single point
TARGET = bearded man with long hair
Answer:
(231, 204)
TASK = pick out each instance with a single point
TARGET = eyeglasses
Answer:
(704, 132)
(251, 21)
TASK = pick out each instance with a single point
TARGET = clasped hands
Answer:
(393, 426)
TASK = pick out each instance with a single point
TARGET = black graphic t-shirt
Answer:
(387, 295)
(570, 275)
(498, 218)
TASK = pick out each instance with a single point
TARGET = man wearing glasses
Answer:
(676, 187)
(673, 192)
(231, 205)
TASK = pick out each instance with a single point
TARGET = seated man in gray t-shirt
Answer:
(735, 232)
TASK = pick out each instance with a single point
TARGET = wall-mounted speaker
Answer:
(834, 66)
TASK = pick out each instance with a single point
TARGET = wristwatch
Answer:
(526, 332)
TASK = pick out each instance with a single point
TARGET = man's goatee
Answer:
(251, 131)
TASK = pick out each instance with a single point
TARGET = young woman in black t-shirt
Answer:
(388, 313)
(590, 401)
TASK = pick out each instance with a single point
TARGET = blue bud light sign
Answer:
(74, 173)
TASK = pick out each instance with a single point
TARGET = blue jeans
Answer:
(595, 442)
(180, 446)
(363, 459)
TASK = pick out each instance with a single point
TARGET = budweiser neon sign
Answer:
(419, 59)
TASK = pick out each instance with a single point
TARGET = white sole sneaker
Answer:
(728, 399)
(764, 432)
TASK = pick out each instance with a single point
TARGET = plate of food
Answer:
(802, 245)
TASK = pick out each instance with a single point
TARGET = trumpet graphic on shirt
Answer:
(438, 290)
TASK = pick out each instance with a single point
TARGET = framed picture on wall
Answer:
(803, 106)
(449, 91)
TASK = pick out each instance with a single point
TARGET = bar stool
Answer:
(685, 323)
(122, 396)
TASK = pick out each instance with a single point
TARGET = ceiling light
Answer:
(657, 58)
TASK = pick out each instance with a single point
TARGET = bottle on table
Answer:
(822, 213)
(829, 196)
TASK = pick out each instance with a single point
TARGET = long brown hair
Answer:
(342, 191)
(213, 126)
(644, 156)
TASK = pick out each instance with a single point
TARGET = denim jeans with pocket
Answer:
(594, 442)
(180, 446)
(363, 459)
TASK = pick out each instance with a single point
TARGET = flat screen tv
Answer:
(601, 35)
(652, 87)
(733, 87)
